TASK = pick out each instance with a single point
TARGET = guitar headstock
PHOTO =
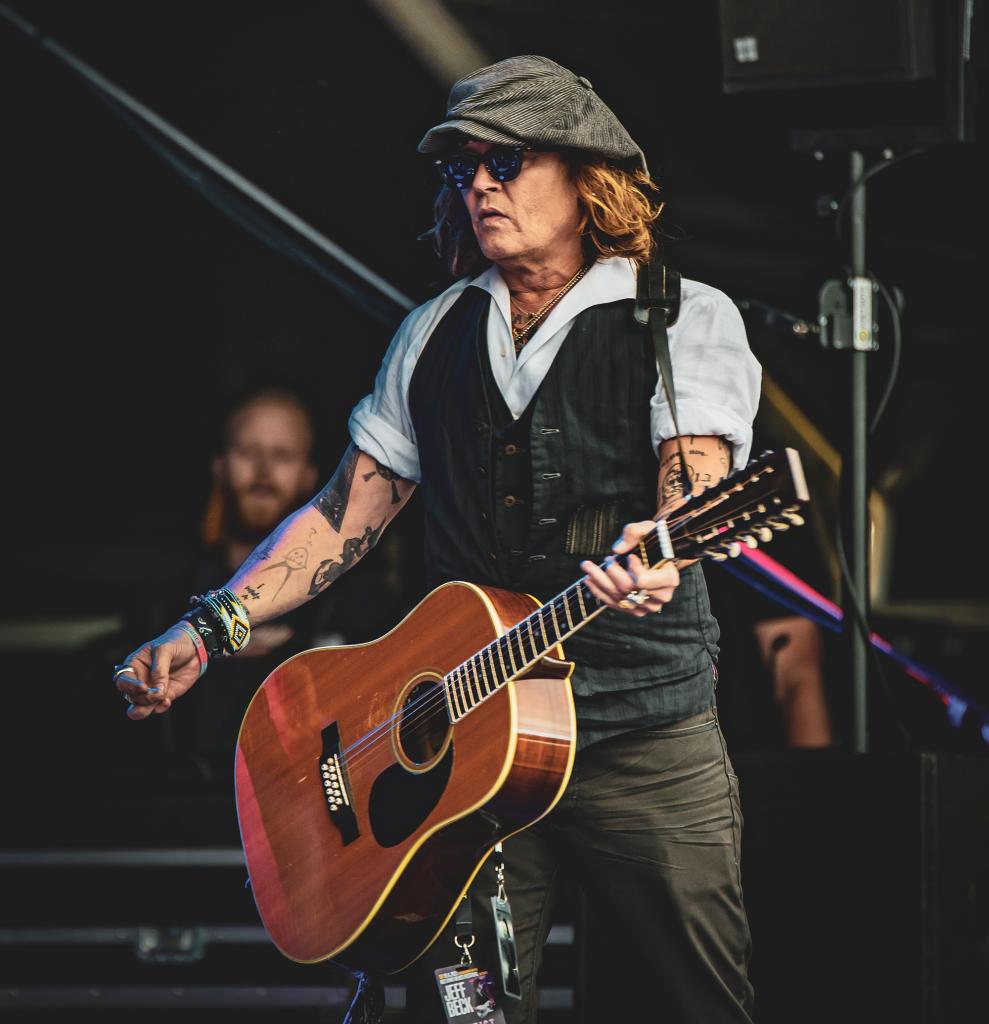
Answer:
(747, 507)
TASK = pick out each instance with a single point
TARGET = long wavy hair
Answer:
(618, 214)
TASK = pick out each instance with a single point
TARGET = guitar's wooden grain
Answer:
(363, 904)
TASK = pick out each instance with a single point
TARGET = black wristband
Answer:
(211, 632)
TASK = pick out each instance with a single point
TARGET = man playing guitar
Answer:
(525, 403)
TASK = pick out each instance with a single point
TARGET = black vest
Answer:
(518, 504)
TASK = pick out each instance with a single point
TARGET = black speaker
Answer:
(866, 879)
(850, 73)
(782, 43)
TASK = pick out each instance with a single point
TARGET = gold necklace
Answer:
(522, 334)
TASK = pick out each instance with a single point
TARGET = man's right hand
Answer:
(158, 672)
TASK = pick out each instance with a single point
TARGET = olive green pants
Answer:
(651, 826)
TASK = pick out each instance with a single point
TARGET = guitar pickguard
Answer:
(400, 800)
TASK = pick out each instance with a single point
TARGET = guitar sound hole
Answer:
(424, 727)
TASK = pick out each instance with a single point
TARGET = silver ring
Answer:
(121, 669)
(637, 596)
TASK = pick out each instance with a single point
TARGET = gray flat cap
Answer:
(532, 100)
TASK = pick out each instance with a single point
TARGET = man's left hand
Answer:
(650, 588)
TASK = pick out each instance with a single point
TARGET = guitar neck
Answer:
(519, 648)
(745, 507)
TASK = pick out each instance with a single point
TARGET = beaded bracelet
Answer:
(221, 622)
(199, 645)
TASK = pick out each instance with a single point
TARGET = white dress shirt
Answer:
(716, 377)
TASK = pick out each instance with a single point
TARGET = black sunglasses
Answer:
(503, 163)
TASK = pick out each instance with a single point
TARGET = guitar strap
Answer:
(657, 307)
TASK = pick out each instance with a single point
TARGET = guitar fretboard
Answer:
(535, 636)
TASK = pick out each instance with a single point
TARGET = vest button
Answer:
(512, 449)
(482, 471)
(509, 500)
(492, 556)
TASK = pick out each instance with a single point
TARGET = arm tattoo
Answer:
(354, 548)
(297, 558)
(263, 552)
(388, 474)
(332, 500)
(725, 455)
(671, 484)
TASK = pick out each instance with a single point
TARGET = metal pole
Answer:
(857, 470)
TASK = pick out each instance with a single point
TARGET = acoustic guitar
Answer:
(372, 780)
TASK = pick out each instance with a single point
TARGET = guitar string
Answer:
(436, 699)
(432, 701)
(437, 703)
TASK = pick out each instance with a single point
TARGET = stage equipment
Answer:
(913, 64)
(825, 43)
(910, 64)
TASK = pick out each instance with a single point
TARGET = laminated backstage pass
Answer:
(468, 994)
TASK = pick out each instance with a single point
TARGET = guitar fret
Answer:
(556, 624)
(452, 691)
(494, 667)
(566, 610)
(501, 657)
(484, 675)
(475, 694)
(580, 600)
(542, 629)
(465, 677)
(508, 640)
(462, 692)
(477, 668)
(532, 638)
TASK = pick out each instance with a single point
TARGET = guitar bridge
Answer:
(333, 775)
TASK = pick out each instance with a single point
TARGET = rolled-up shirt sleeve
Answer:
(381, 423)
(716, 377)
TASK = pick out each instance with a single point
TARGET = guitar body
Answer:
(369, 872)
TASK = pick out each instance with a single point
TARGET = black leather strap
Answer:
(657, 307)
(463, 920)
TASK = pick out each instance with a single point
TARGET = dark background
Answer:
(135, 311)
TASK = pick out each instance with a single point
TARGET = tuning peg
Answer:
(793, 517)
(718, 556)
(764, 534)
(734, 550)
(777, 523)
(748, 540)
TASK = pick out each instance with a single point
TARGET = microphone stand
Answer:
(846, 321)
(856, 471)
(846, 318)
